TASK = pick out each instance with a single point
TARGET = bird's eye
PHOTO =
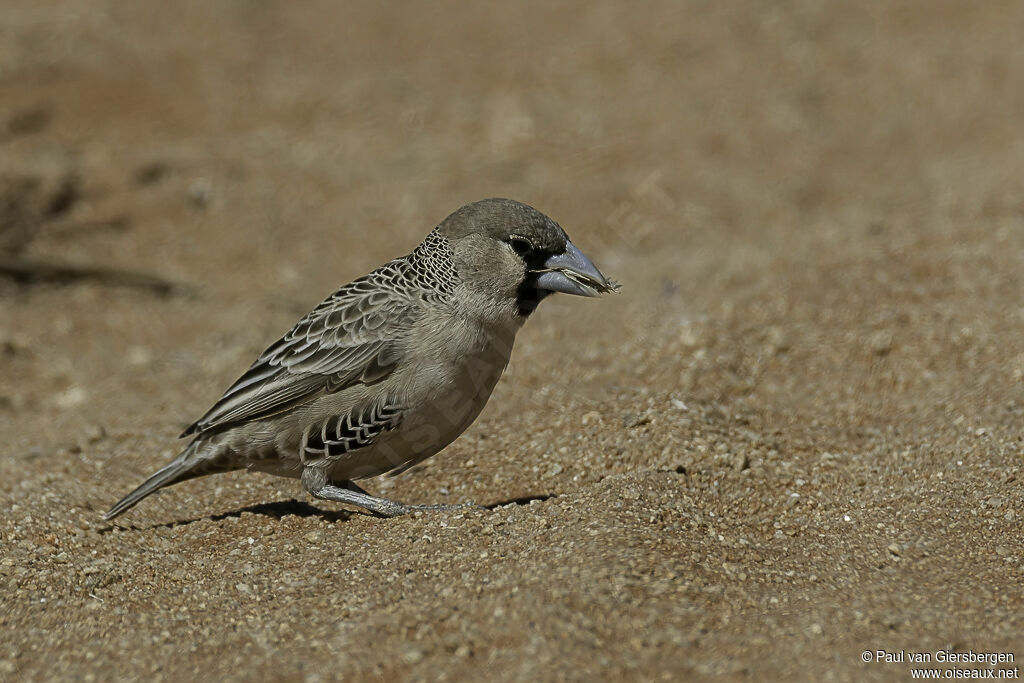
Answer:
(520, 245)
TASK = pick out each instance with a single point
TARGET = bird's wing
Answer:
(356, 335)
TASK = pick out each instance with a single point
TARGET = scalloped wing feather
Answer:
(355, 335)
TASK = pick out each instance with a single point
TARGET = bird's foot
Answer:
(451, 507)
(382, 507)
(391, 508)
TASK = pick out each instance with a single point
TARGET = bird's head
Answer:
(508, 251)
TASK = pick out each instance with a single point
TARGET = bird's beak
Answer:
(572, 273)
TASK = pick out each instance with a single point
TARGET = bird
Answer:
(392, 367)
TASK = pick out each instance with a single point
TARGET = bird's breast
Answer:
(444, 381)
(461, 372)
(446, 388)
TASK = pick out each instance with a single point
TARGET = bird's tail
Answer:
(193, 462)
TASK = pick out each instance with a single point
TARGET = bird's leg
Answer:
(378, 506)
(315, 481)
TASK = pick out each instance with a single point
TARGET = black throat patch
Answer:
(528, 295)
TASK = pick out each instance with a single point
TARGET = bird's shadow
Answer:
(282, 508)
(275, 510)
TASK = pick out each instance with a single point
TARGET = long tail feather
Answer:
(188, 465)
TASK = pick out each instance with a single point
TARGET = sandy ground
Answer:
(793, 437)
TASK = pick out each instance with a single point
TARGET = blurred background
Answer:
(815, 209)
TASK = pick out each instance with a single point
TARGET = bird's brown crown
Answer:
(505, 220)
